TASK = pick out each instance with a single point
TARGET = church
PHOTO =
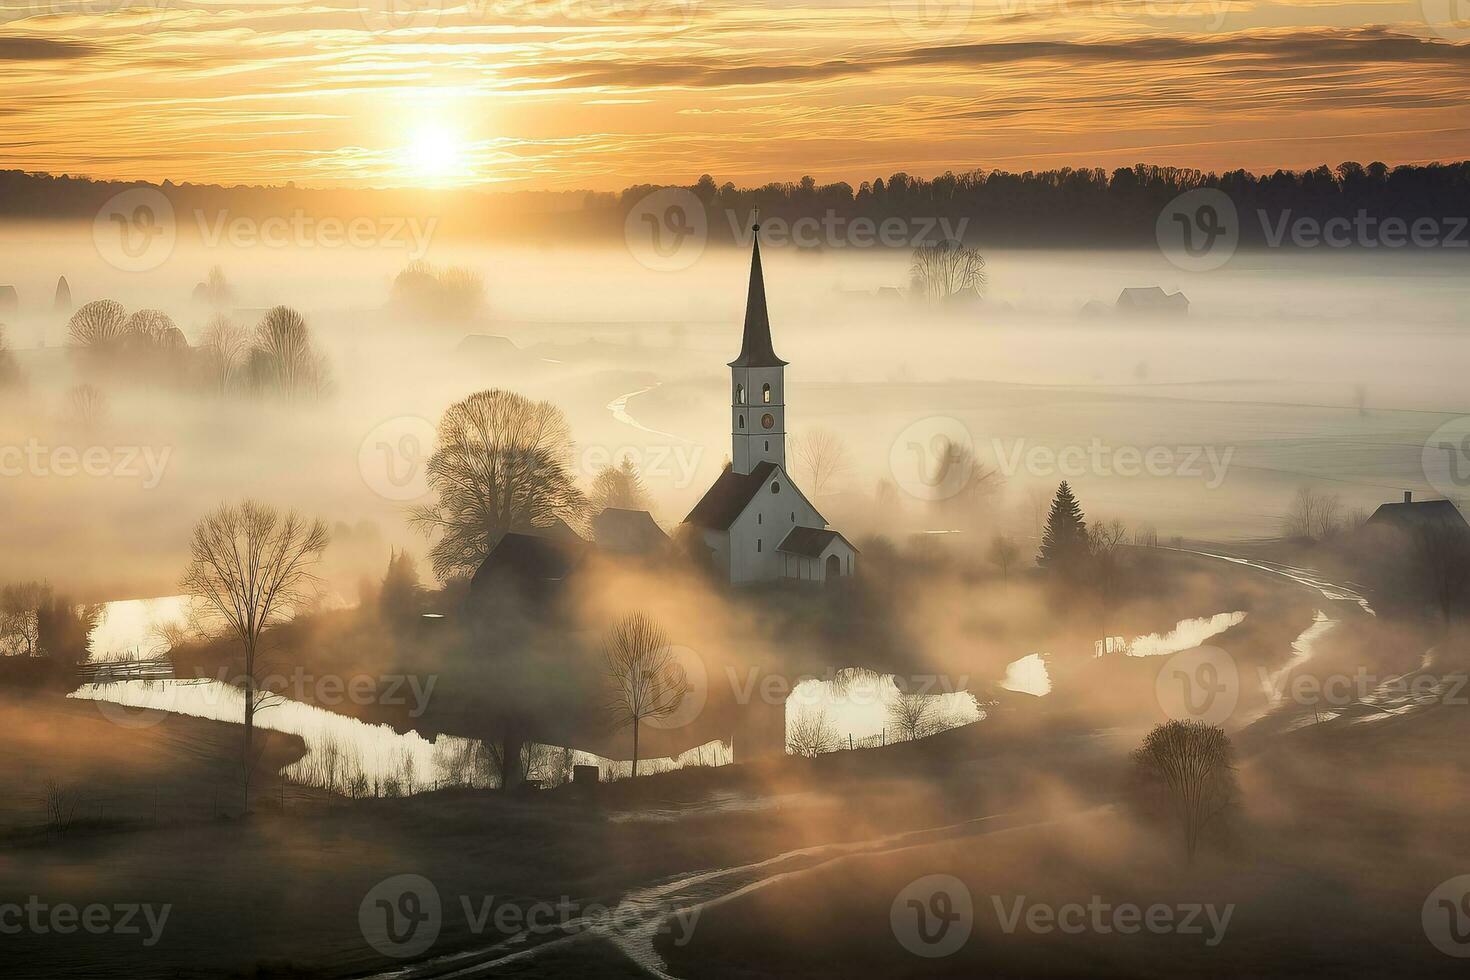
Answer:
(757, 524)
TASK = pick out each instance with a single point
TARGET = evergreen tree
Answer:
(619, 486)
(1064, 547)
(399, 599)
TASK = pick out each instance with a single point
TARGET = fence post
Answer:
(849, 741)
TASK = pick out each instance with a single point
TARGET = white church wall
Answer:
(759, 531)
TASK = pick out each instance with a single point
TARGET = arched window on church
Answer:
(766, 394)
(742, 421)
(740, 394)
(775, 488)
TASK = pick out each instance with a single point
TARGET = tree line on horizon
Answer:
(1066, 206)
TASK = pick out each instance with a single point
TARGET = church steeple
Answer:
(757, 384)
(755, 347)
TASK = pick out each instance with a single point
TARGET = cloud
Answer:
(1275, 51)
(42, 49)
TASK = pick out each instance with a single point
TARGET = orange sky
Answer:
(604, 93)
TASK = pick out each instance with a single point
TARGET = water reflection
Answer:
(1028, 675)
(859, 708)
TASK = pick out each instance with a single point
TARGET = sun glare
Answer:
(434, 153)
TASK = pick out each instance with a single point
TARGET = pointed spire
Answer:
(755, 346)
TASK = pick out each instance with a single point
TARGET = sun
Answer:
(434, 152)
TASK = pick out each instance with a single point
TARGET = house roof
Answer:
(529, 559)
(1420, 514)
(810, 542)
(755, 344)
(628, 531)
(728, 496)
(1150, 296)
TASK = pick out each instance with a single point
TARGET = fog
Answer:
(1286, 368)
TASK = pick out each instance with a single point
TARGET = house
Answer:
(1152, 301)
(1418, 516)
(750, 516)
(528, 567)
(629, 532)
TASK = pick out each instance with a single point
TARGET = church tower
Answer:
(757, 382)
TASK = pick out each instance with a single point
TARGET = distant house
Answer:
(629, 532)
(1417, 516)
(1152, 301)
(487, 347)
(9, 299)
(530, 568)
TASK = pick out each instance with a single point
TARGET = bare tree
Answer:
(20, 605)
(152, 330)
(947, 269)
(1003, 554)
(646, 679)
(910, 715)
(283, 360)
(618, 486)
(86, 406)
(1194, 765)
(250, 569)
(810, 734)
(823, 454)
(500, 463)
(9, 369)
(1105, 544)
(226, 346)
(98, 325)
(216, 290)
(1314, 515)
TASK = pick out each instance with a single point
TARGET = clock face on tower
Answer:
(767, 420)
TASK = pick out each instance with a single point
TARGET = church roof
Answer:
(755, 345)
(810, 542)
(727, 497)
